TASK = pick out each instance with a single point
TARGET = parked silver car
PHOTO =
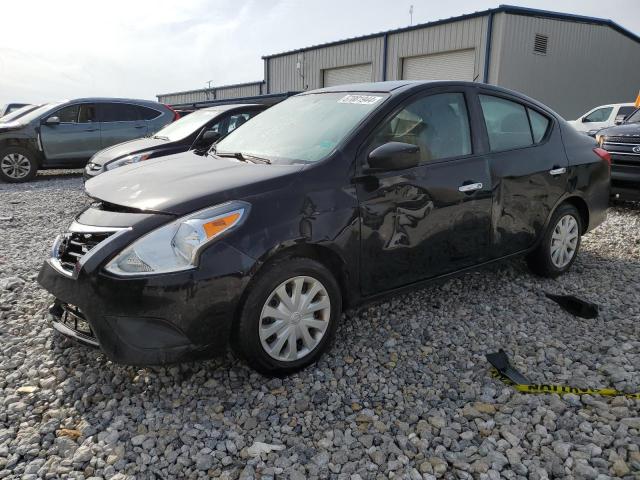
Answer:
(67, 134)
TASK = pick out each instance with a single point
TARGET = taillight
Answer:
(603, 154)
(176, 115)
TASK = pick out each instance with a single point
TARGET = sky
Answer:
(64, 49)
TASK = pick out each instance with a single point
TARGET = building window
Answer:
(540, 44)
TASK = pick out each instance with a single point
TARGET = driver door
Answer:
(77, 136)
(431, 219)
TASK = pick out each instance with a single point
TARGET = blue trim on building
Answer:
(487, 50)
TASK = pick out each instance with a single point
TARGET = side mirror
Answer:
(209, 138)
(52, 121)
(585, 120)
(619, 119)
(394, 156)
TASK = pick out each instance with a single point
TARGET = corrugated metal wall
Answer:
(460, 35)
(284, 75)
(215, 93)
(586, 65)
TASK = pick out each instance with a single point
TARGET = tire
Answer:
(17, 165)
(543, 260)
(250, 340)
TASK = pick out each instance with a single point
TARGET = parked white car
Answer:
(602, 117)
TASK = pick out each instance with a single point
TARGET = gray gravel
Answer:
(404, 393)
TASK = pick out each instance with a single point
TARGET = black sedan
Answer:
(196, 131)
(327, 200)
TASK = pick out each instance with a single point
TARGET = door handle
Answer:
(91, 130)
(472, 187)
(139, 126)
(557, 171)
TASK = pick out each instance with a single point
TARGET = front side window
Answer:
(599, 115)
(236, 120)
(68, 114)
(185, 126)
(302, 129)
(634, 117)
(438, 124)
(507, 123)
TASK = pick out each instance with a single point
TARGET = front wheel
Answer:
(559, 247)
(289, 316)
(17, 165)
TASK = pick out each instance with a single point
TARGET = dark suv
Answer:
(67, 134)
(329, 199)
(623, 144)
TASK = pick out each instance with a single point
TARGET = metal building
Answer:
(569, 62)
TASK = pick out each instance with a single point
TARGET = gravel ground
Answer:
(404, 393)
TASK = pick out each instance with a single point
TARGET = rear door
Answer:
(120, 122)
(528, 168)
(431, 219)
(77, 136)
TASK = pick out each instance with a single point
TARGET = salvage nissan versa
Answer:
(328, 199)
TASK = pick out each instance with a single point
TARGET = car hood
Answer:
(185, 182)
(632, 129)
(9, 126)
(127, 148)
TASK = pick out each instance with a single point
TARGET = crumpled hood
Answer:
(632, 129)
(126, 148)
(186, 182)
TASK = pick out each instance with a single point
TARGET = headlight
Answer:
(127, 160)
(176, 246)
(599, 139)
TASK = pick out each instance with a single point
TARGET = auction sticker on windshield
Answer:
(359, 99)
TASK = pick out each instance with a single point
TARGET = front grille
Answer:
(624, 139)
(75, 245)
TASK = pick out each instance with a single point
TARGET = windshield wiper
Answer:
(161, 137)
(243, 157)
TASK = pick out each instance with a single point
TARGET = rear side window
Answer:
(438, 124)
(539, 125)
(626, 110)
(507, 123)
(119, 112)
(148, 113)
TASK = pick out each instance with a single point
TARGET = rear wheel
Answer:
(559, 247)
(289, 316)
(17, 165)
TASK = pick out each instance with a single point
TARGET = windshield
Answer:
(634, 117)
(37, 112)
(17, 113)
(305, 128)
(185, 126)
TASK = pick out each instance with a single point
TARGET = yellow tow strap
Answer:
(561, 389)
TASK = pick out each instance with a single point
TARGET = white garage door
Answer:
(458, 65)
(351, 74)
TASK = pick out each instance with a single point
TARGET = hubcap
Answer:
(294, 318)
(15, 165)
(564, 241)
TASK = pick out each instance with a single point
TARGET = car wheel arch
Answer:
(321, 254)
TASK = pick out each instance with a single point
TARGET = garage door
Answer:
(351, 74)
(458, 65)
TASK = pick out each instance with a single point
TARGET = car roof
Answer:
(113, 99)
(229, 106)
